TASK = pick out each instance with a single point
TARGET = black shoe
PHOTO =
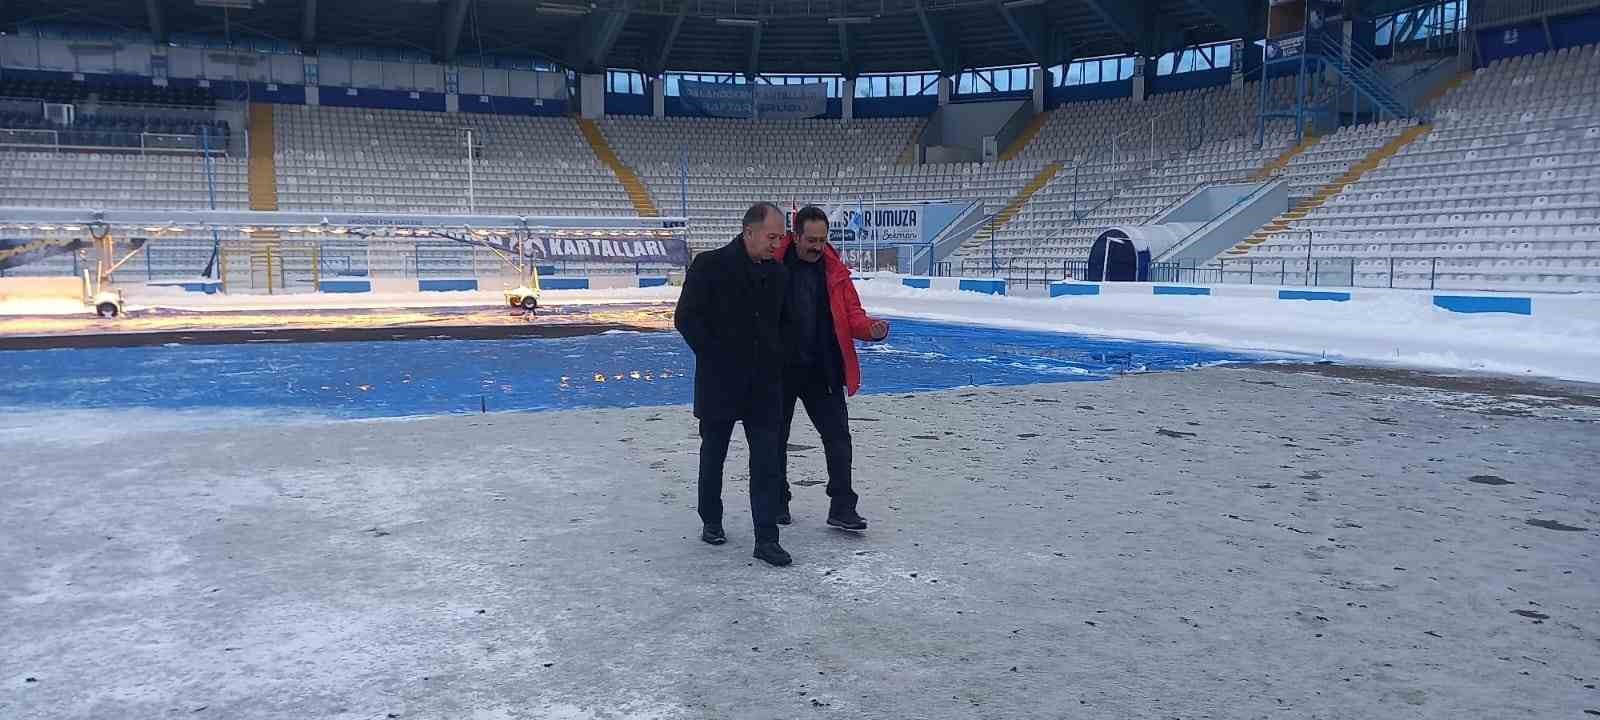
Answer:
(783, 516)
(846, 520)
(772, 553)
(713, 534)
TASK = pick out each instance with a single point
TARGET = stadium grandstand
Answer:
(1376, 143)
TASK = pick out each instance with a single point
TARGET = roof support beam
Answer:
(1032, 29)
(610, 29)
(158, 24)
(658, 64)
(847, 60)
(455, 16)
(592, 42)
(308, 23)
(1231, 15)
(753, 68)
(939, 46)
(1029, 30)
(1404, 31)
(1125, 17)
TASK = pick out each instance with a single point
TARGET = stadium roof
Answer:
(741, 36)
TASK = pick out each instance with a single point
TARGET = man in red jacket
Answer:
(822, 320)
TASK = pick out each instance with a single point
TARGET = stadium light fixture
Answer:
(739, 22)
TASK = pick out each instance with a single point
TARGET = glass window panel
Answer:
(897, 85)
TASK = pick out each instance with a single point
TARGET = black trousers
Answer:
(766, 472)
(825, 404)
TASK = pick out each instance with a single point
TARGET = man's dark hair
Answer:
(757, 213)
(807, 214)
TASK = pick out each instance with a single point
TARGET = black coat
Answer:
(730, 313)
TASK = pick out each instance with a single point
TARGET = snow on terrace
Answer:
(1223, 543)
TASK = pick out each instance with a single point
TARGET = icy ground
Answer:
(1222, 543)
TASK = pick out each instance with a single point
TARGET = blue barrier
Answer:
(1181, 290)
(1481, 304)
(564, 283)
(650, 282)
(918, 283)
(1313, 295)
(345, 286)
(466, 285)
(990, 287)
(1062, 289)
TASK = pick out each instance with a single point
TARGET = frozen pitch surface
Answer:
(1223, 543)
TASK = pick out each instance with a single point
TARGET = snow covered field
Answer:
(1398, 328)
(1561, 340)
(1221, 543)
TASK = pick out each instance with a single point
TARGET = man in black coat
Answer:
(729, 313)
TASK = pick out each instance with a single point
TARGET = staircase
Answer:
(1020, 142)
(638, 194)
(1358, 71)
(263, 163)
(1282, 161)
(1324, 193)
(987, 232)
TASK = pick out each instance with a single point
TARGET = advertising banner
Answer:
(613, 248)
(773, 102)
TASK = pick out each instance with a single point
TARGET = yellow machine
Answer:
(526, 295)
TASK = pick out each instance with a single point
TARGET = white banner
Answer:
(871, 224)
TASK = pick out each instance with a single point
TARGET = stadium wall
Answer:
(1469, 303)
(1059, 96)
(628, 104)
(1506, 41)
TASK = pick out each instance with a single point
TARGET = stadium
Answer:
(1238, 358)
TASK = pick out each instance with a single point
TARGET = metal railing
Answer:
(91, 140)
(1413, 272)
(1129, 155)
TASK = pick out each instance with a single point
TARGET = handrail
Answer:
(956, 223)
(1224, 215)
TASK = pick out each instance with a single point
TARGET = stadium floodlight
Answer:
(850, 20)
(568, 10)
(740, 22)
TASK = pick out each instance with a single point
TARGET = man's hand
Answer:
(880, 329)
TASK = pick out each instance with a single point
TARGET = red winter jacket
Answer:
(850, 322)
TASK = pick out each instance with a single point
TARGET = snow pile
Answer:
(1561, 339)
(44, 306)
